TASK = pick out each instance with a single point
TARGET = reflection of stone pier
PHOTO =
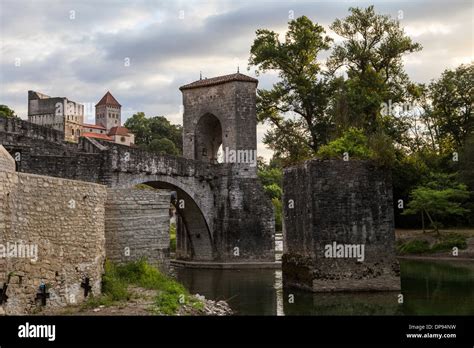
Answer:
(338, 228)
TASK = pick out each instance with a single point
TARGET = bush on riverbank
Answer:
(443, 243)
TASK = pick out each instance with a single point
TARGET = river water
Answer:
(428, 288)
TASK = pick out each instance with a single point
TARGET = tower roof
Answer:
(118, 130)
(219, 80)
(108, 99)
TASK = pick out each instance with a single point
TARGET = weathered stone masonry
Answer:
(137, 224)
(343, 202)
(65, 220)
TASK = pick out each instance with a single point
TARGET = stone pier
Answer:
(339, 227)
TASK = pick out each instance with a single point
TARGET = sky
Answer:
(142, 51)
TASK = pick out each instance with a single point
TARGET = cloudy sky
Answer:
(79, 49)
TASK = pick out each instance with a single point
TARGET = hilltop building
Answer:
(67, 116)
(58, 113)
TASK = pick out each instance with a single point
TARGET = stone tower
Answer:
(108, 112)
(219, 111)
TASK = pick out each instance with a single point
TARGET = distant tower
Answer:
(108, 112)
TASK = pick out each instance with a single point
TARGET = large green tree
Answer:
(452, 97)
(371, 53)
(295, 106)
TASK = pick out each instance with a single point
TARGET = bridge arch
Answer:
(194, 225)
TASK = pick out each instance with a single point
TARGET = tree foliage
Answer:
(452, 98)
(440, 197)
(156, 134)
(301, 91)
(311, 104)
(5, 111)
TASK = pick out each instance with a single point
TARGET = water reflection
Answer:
(428, 288)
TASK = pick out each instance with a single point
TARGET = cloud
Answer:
(78, 49)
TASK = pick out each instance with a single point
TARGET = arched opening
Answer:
(208, 138)
(193, 237)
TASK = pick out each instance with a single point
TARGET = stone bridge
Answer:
(223, 213)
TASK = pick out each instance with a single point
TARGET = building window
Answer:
(72, 132)
(122, 139)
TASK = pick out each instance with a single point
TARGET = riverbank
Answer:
(138, 288)
(429, 245)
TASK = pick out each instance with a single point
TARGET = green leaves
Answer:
(452, 104)
(353, 141)
(302, 91)
(156, 134)
(441, 196)
(310, 105)
(5, 111)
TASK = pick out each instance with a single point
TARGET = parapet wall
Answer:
(16, 125)
(339, 227)
(58, 225)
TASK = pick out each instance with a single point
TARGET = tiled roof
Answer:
(108, 99)
(98, 136)
(95, 126)
(218, 80)
(118, 131)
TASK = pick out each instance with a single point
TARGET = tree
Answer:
(271, 177)
(163, 146)
(438, 198)
(295, 106)
(452, 98)
(5, 111)
(156, 133)
(138, 124)
(371, 53)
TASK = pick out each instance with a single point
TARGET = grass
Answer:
(171, 295)
(415, 246)
(173, 237)
(444, 242)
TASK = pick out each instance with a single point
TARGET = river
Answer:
(428, 288)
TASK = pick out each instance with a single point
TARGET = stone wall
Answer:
(63, 220)
(347, 203)
(137, 225)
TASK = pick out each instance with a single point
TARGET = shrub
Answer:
(414, 247)
(353, 141)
